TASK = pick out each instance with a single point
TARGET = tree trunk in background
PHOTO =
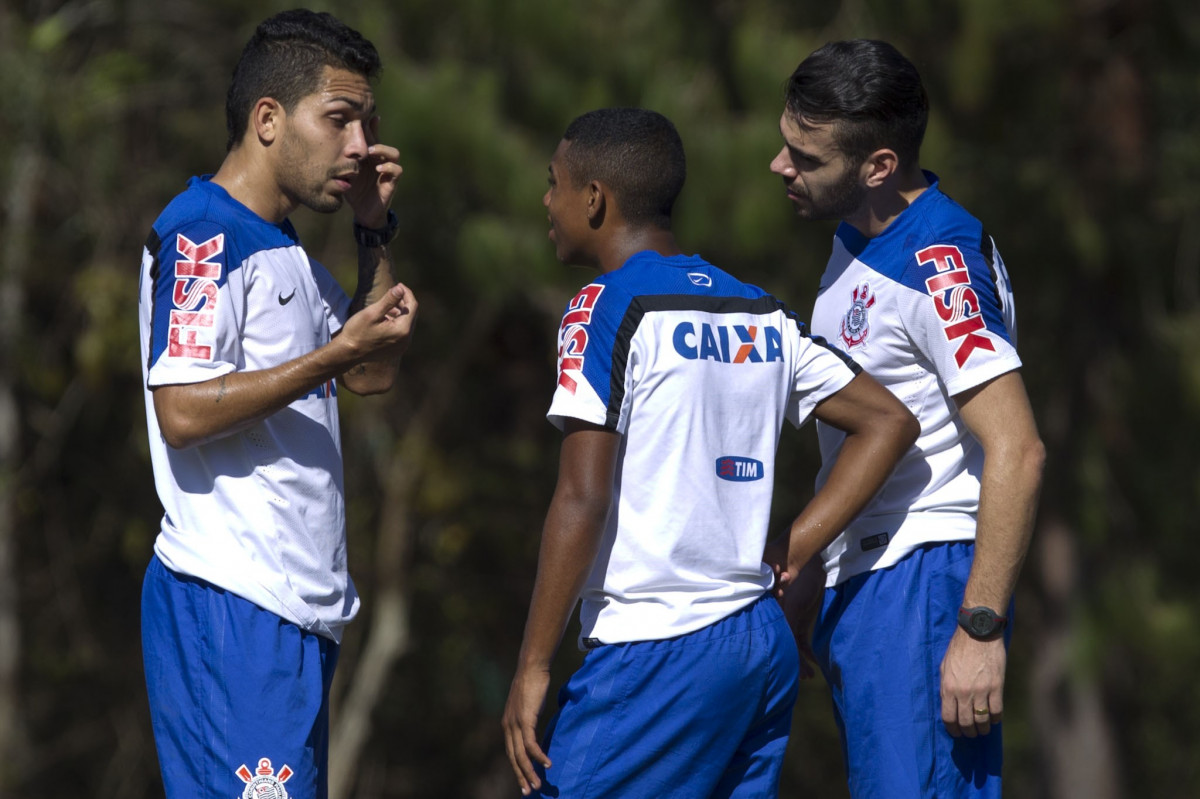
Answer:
(1108, 97)
(388, 639)
(1067, 705)
(19, 211)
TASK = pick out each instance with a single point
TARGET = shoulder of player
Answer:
(195, 213)
(943, 236)
(945, 216)
(204, 212)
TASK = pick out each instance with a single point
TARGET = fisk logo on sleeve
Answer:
(573, 334)
(956, 303)
(194, 296)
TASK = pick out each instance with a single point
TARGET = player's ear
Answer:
(879, 166)
(597, 203)
(267, 119)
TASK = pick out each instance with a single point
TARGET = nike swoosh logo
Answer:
(285, 300)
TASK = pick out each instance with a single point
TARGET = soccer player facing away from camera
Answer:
(674, 381)
(245, 343)
(912, 631)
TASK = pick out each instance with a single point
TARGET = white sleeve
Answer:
(959, 316)
(585, 356)
(337, 303)
(820, 371)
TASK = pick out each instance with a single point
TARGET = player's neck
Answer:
(883, 204)
(248, 178)
(621, 246)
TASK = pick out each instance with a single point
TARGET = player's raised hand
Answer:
(371, 192)
(388, 322)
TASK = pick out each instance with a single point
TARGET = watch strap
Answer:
(377, 237)
(981, 623)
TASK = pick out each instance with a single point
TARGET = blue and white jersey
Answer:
(926, 309)
(259, 512)
(697, 371)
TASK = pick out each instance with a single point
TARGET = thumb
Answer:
(392, 299)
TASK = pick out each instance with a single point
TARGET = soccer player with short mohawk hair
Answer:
(246, 342)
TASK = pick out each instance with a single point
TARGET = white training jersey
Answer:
(258, 512)
(926, 309)
(697, 371)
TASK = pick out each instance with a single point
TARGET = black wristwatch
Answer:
(377, 237)
(983, 624)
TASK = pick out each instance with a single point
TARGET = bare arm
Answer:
(570, 539)
(999, 416)
(879, 430)
(364, 355)
(194, 413)
(370, 197)
(376, 373)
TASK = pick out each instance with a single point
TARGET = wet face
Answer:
(821, 181)
(324, 140)
(567, 211)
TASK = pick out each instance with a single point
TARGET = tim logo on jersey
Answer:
(956, 303)
(194, 296)
(737, 469)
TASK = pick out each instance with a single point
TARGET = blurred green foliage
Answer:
(1069, 128)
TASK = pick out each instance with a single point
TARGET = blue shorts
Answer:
(238, 696)
(880, 640)
(704, 714)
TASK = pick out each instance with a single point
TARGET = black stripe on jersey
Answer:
(987, 247)
(641, 305)
(820, 340)
(153, 244)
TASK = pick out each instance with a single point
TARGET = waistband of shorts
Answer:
(758, 613)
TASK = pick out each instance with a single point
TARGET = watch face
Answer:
(982, 622)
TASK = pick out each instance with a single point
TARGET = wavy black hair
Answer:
(871, 94)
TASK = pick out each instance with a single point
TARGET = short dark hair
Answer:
(284, 59)
(636, 153)
(871, 94)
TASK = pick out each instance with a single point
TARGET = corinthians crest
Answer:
(855, 325)
(263, 782)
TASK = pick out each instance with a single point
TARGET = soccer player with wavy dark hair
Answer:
(912, 628)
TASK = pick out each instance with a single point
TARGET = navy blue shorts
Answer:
(705, 714)
(238, 696)
(880, 640)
